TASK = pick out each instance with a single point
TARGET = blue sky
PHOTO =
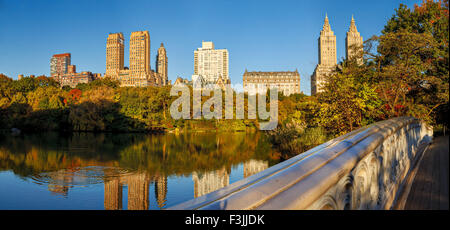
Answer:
(259, 35)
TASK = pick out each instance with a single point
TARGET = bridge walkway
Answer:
(429, 189)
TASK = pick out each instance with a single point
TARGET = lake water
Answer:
(124, 171)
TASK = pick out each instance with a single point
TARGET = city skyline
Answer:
(253, 32)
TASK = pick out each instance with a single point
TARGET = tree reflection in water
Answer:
(61, 161)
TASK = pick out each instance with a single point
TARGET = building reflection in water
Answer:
(113, 194)
(205, 183)
(252, 167)
(138, 184)
(161, 191)
(138, 191)
(59, 182)
(83, 159)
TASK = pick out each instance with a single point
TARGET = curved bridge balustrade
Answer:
(364, 169)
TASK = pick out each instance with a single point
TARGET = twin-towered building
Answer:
(328, 56)
(139, 72)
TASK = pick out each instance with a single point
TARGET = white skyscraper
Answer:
(211, 64)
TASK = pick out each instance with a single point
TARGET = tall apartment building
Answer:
(211, 64)
(161, 64)
(354, 43)
(139, 72)
(287, 82)
(63, 72)
(114, 54)
(327, 57)
(59, 64)
(140, 58)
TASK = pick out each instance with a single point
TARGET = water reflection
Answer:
(138, 191)
(133, 163)
(205, 183)
(254, 166)
(208, 182)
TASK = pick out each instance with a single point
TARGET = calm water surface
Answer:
(123, 171)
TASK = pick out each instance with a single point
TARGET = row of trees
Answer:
(154, 154)
(40, 104)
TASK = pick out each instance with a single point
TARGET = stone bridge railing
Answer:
(364, 169)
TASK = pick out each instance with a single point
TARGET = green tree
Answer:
(428, 23)
(348, 101)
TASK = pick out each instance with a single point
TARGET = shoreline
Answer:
(158, 131)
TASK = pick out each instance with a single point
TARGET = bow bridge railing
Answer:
(364, 169)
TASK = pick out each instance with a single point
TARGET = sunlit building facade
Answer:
(63, 72)
(114, 54)
(139, 58)
(139, 72)
(354, 43)
(327, 57)
(211, 63)
(161, 65)
(59, 64)
(287, 82)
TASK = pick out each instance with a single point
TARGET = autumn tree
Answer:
(348, 100)
(424, 38)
